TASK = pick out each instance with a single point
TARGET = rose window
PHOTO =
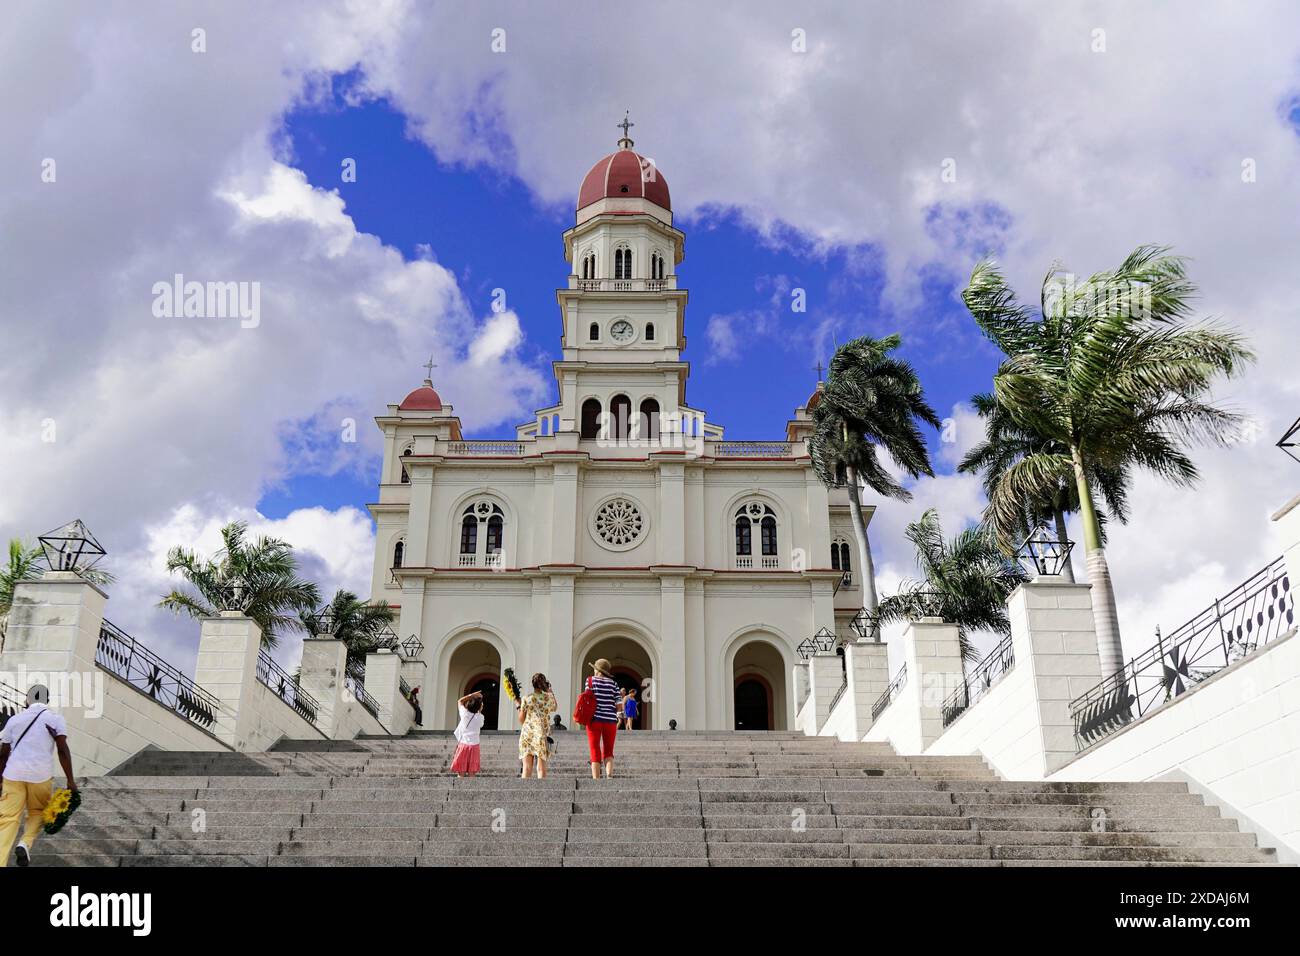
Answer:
(619, 522)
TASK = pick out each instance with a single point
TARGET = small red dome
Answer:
(624, 175)
(815, 398)
(423, 399)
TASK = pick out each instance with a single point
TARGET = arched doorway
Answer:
(632, 667)
(758, 687)
(473, 666)
(753, 703)
(491, 688)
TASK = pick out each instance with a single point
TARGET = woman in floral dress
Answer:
(535, 712)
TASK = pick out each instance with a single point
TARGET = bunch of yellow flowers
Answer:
(60, 808)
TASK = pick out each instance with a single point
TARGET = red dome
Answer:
(423, 399)
(619, 176)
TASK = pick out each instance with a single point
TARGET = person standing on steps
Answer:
(535, 712)
(28, 744)
(604, 724)
(467, 759)
(629, 708)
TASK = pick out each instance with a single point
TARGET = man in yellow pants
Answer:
(28, 743)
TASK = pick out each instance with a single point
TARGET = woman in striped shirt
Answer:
(604, 724)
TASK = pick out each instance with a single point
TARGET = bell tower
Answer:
(622, 313)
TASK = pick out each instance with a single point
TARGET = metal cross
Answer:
(626, 124)
(820, 368)
(429, 366)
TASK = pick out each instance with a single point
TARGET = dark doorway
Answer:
(491, 689)
(753, 705)
(630, 679)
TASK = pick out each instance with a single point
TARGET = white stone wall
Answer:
(1237, 736)
(1002, 727)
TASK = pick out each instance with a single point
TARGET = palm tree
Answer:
(356, 623)
(871, 400)
(258, 577)
(1115, 375)
(965, 581)
(1028, 484)
(25, 565)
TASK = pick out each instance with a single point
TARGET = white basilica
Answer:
(619, 523)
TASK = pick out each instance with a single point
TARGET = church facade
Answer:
(619, 522)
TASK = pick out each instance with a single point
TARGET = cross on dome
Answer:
(625, 142)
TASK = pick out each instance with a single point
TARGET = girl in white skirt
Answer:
(466, 759)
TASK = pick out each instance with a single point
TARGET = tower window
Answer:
(768, 528)
(590, 420)
(621, 411)
(649, 425)
(495, 527)
(399, 554)
(469, 535)
(649, 331)
(622, 263)
(593, 332)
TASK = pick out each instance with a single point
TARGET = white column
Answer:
(670, 686)
(867, 664)
(934, 668)
(825, 675)
(383, 683)
(1287, 532)
(324, 661)
(53, 630)
(1054, 635)
(227, 668)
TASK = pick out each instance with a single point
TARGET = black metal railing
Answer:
(839, 693)
(891, 692)
(1251, 615)
(990, 670)
(354, 679)
(12, 702)
(277, 680)
(122, 655)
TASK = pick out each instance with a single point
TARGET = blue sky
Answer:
(490, 231)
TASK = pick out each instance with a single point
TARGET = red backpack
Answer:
(585, 708)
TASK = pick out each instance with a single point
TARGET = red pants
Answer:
(600, 741)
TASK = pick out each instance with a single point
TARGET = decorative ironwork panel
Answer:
(120, 654)
(892, 691)
(988, 672)
(1233, 627)
(278, 681)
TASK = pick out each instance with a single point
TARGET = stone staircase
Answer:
(677, 799)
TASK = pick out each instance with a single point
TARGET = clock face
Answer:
(621, 331)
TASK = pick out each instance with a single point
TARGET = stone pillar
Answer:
(420, 517)
(670, 686)
(415, 673)
(53, 633)
(1054, 636)
(934, 669)
(324, 662)
(564, 514)
(383, 683)
(825, 675)
(697, 669)
(559, 656)
(867, 666)
(1287, 534)
(227, 669)
(799, 681)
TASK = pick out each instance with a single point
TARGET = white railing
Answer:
(469, 560)
(495, 448)
(751, 449)
(622, 285)
(767, 563)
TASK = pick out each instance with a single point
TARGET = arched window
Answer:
(489, 514)
(656, 265)
(649, 331)
(593, 332)
(649, 423)
(469, 535)
(622, 263)
(620, 409)
(590, 420)
(845, 564)
(750, 516)
(743, 541)
(399, 553)
(835, 556)
(406, 453)
(589, 266)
